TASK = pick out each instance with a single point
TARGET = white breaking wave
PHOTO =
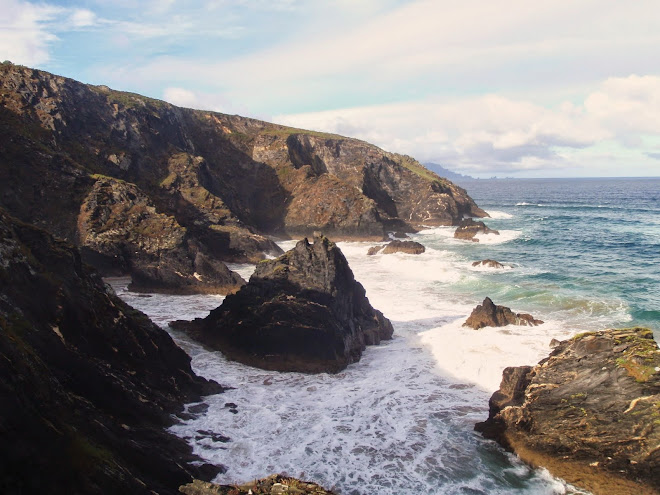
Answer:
(504, 236)
(499, 215)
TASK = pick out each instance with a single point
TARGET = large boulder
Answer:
(488, 314)
(303, 311)
(87, 383)
(589, 412)
(469, 228)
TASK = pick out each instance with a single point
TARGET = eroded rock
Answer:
(303, 311)
(588, 412)
(489, 264)
(487, 314)
(469, 228)
(408, 247)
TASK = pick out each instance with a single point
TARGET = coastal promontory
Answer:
(303, 311)
(589, 412)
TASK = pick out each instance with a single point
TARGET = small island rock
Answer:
(588, 412)
(303, 311)
(408, 247)
(469, 228)
(488, 314)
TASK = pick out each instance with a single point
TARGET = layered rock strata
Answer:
(303, 311)
(589, 412)
(87, 383)
(488, 314)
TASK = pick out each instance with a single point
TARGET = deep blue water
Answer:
(589, 242)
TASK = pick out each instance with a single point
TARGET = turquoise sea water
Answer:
(581, 255)
(589, 248)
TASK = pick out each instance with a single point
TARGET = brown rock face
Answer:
(588, 412)
(301, 312)
(408, 247)
(227, 180)
(487, 314)
(468, 228)
(273, 485)
(121, 232)
(87, 383)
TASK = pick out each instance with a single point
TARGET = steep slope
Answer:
(226, 179)
(87, 383)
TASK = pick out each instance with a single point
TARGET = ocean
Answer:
(580, 254)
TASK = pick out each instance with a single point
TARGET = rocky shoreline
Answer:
(589, 412)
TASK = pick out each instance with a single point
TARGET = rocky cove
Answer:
(170, 197)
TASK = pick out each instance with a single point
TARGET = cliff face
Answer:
(87, 383)
(590, 412)
(225, 179)
(301, 312)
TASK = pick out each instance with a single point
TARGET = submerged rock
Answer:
(487, 314)
(374, 250)
(303, 311)
(589, 412)
(87, 383)
(489, 264)
(469, 228)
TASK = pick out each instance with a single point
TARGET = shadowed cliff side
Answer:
(301, 312)
(87, 383)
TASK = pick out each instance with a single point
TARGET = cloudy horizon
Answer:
(509, 88)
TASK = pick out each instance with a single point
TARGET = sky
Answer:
(508, 88)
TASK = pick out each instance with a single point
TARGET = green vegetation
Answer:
(418, 169)
(285, 132)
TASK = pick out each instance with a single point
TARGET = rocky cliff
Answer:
(590, 412)
(87, 383)
(227, 180)
(301, 312)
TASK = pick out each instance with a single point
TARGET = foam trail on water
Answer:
(498, 215)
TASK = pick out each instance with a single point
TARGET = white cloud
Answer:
(492, 133)
(24, 36)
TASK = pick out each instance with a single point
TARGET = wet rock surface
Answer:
(589, 412)
(488, 314)
(408, 247)
(469, 228)
(488, 264)
(301, 312)
(87, 383)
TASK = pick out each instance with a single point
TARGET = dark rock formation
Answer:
(489, 264)
(301, 312)
(121, 232)
(468, 228)
(87, 383)
(400, 235)
(227, 180)
(589, 412)
(273, 485)
(487, 314)
(408, 247)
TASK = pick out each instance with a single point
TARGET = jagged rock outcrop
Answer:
(227, 180)
(303, 311)
(273, 485)
(87, 383)
(488, 264)
(408, 247)
(121, 232)
(469, 228)
(590, 412)
(488, 314)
